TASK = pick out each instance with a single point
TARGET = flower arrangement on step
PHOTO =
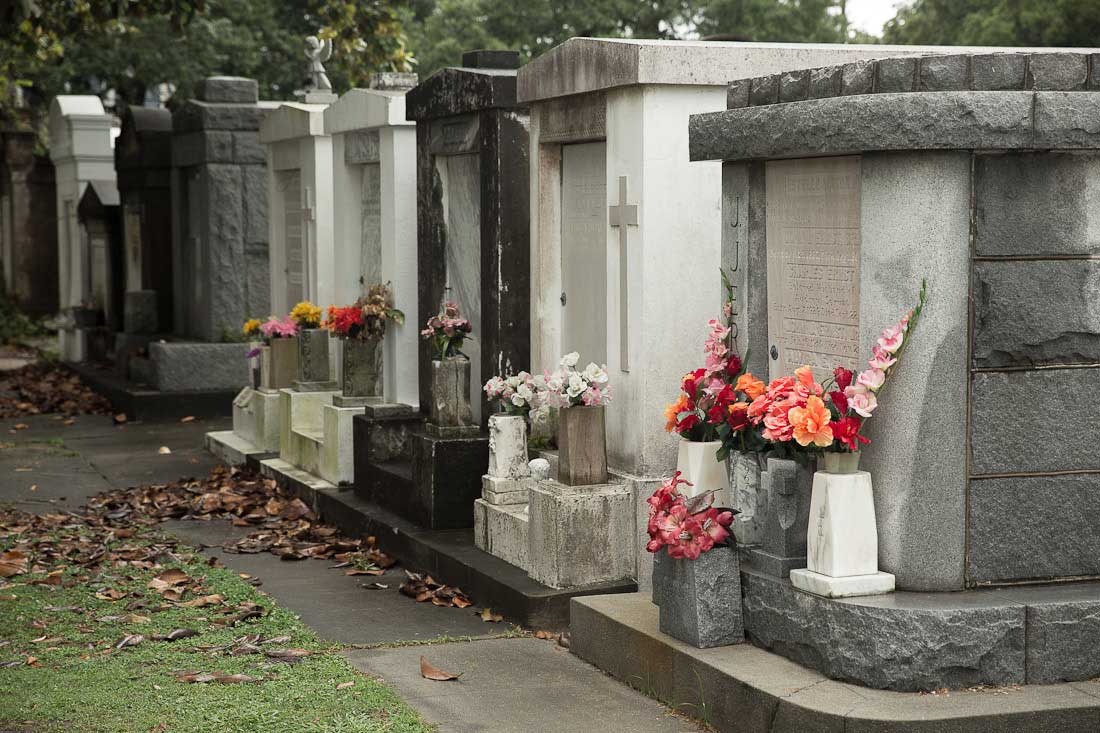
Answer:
(686, 526)
(368, 317)
(251, 329)
(306, 315)
(797, 415)
(518, 394)
(279, 328)
(448, 331)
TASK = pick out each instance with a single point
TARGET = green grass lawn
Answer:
(80, 683)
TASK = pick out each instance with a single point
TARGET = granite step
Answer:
(141, 402)
(450, 555)
(743, 688)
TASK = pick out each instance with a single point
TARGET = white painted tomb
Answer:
(626, 232)
(82, 137)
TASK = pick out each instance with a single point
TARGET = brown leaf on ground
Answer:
(231, 679)
(188, 418)
(202, 601)
(423, 588)
(164, 450)
(128, 640)
(287, 656)
(110, 594)
(194, 677)
(168, 579)
(345, 685)
(120, 418)
(428, 672)
(176, 635)
(43, 388)
(488, 616)
(374, 586)
(546, 635)
(12, 563)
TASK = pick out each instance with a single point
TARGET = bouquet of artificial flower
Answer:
(378, 310)
(829, 416)
(517, 393)
(448, 330)
(306, 315)
(251, 328)
(567, 387)
(276, 328)
(687, 527)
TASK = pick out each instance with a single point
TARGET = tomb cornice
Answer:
(458, 90)
(364, 109)
(293, 120)
(581, 65)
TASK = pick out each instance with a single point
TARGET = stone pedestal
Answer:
(508, 447)
(842, 539)
(301, 429)
(314, 374)
(580, 535)
(450, 393)
(746, 496)
(582, 446)
(786, 486)
(279, 364)
(381, 444)
(362, 377)
(700, 600)
(500, 515)
(256, 418)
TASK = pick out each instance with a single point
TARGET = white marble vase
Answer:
(842, 539)
(698, 464)
(508, 446)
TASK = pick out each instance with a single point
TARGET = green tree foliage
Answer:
(996, 23)
(440, 30)
(89, 46)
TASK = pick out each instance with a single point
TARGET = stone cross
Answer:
(623, 215)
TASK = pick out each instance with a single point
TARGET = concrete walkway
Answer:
(509, 682)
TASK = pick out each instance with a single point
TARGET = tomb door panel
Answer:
(289, 184)
(584, 250)
(813, 241)
(460, 176)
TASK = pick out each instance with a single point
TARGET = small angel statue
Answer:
(318, 52)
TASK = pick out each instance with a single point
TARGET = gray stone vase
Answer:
(313, 366)
(363, 368)
(279, 364)
(450, 406)
(700, 600)
(582, 446)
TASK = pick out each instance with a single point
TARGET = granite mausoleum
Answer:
(973, 171)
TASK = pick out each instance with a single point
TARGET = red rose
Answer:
(840, 401)
(843, 377)
(733, 368)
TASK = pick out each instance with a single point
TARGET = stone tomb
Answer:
(472, 247)
(626, 231)
(28, 222)
(974, 171)
(100, 219)
(143, 160)
(82, 149)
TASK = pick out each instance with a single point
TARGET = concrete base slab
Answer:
(743, 688)
(501, 530)
(845, 587)
(230, 448)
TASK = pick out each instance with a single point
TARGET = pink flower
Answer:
(892, 339)
(872, 379)
(861, 400)
(881, 359)
(777, 425)
(806, 385)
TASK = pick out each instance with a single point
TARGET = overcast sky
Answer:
(870, 15)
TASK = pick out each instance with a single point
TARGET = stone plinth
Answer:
(381, 438)
(279, 364)
(256, 418)
(450, 405)
(582, 446)
(472, 215)
(314, 374)
(700, 599)
(786, 488)
(580, 535)
(28, 239)
(219, 209)
(503, 531)
(301, 428)
(181, 366)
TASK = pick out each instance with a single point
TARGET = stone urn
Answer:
(700, 600)
(698, 464)
(313, 363)
(451, 393)
(279, 364)
(508, 446)
(363, 368)
(842, 537)
(582, 446)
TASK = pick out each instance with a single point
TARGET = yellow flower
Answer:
(306, 315)
(251, 327)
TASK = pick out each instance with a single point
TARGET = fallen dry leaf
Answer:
(12, 563)
(202, 601)
(429, 672)
(120, 418)
(176, 635)
(374, 586)
(164, 450)
(168, 579)
(20, 426)
(490, 617)
(129, 640)
(188, 418)
(345, 685)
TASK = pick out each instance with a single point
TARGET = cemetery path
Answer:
(509, 680)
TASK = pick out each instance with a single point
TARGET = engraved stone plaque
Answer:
(584, 250)
(131, 225)
(460, 176)
(452, 135)
(361, 147)
(290, 189)
(813, 209)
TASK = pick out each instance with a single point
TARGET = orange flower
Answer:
(673, 410)
(811, 423)
(750, 385)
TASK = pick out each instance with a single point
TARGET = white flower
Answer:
(576, 382)
(555, 382)
(518, 401)
(570, 360)
(595, 374)
(524, 392)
